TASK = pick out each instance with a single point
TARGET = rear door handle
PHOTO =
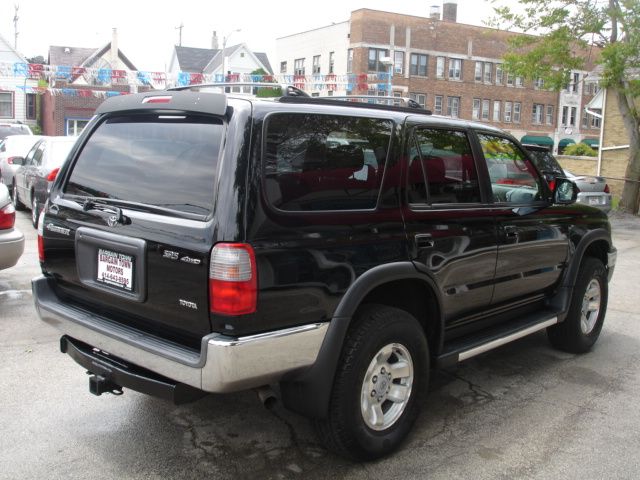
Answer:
(512, 233)
(424, 240)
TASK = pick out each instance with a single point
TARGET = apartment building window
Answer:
(572, 117)
(585, 120)
(575, 82)
(565, 115)
(421, 98)
(74, 126)
(509, 80)
(331, 61)
(298, 66)
(31, 106)
(508, 110)
(485, 109)
(350, 60)
(475, 114)
(499, 74)
(549, 115)
(419, 64)
(316, 64)
(453, 107)
(538, 83)
(519, 81)
(496, 110)
(437, 104)
(488, 69)
(375, 60)
(283, 67)
(440, 67)
(537, 113)
(6, 104)
(398, 62)
(455, 69)
(478, 75)
(595, 121)
(517, 107)
(397, 95)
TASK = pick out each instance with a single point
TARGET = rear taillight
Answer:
(233, 282)
(7, 217)
(40, 239)
(606, 188)
(53, 174)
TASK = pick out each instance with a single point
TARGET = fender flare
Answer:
(309, 392)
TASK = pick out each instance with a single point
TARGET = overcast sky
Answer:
(147, 31)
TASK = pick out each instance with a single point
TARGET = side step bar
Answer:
(467, 347)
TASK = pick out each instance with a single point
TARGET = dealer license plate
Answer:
(594, 200)
(115, 269)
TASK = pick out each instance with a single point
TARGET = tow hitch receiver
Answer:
(99, 385)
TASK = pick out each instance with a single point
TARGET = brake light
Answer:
(7, 217)
(606, 188)
(40, 239)
(53, 174)
(233, 282)
(157, 99)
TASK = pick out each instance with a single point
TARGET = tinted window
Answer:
(6, 130)
(513, 177)
(324, 162)
(545, 161)
(441, 168)
(166, 161)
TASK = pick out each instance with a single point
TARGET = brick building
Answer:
(68, 113)
(453, 70)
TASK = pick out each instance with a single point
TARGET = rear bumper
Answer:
(11, 247)
(223, 364)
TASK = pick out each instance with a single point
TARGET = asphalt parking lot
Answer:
(521, 411)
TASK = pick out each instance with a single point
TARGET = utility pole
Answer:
(15, 26)
(180, 34)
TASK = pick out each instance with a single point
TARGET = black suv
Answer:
(200, 242)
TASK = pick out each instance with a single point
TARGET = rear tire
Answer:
(580, 330)
(16, 200)
(379, 387)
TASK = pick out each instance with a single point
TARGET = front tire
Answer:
(16, 200)
(35, 211)
(580, 330)
(379, 386)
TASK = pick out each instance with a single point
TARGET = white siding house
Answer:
(15, 105)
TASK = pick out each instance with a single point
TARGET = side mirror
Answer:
(565, 191)
(16, 160)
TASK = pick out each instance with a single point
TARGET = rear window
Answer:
(166, 161)
(6, 130)
(318, 162)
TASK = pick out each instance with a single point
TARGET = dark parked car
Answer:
(202, 243)
(592, 190)
(32, 180)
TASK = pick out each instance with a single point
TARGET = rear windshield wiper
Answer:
(103, 203)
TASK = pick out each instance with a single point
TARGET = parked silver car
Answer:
(7, 128)
(37, 171)
(593, 190)
(11, 239)
(11, 147)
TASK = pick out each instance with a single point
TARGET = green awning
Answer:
(592, 142)
(566, 142)
(537, 140)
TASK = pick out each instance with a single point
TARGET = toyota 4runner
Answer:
(198, 242)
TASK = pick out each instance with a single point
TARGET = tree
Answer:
(566, 32)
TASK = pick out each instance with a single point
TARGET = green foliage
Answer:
(267, 92)
(259, 71)
(36, 129)
(580, 150)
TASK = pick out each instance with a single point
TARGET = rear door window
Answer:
(441, 168)
(316, 162)
(165, 161)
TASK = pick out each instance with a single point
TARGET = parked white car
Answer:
(14, 146)
(11, 239)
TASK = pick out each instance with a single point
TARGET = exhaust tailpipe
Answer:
(267, 396)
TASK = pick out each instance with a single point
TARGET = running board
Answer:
(465, 348)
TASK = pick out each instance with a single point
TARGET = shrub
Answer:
(580, 150)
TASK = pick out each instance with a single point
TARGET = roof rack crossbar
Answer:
(287, 90)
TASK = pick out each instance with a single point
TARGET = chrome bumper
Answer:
(11, 247)
(224, 364)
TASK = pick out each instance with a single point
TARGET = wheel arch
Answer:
(399, 285)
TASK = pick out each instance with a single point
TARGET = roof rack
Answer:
(287, 90)
(343, 102)
(380, 100)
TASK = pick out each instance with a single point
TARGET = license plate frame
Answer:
(115, 269)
